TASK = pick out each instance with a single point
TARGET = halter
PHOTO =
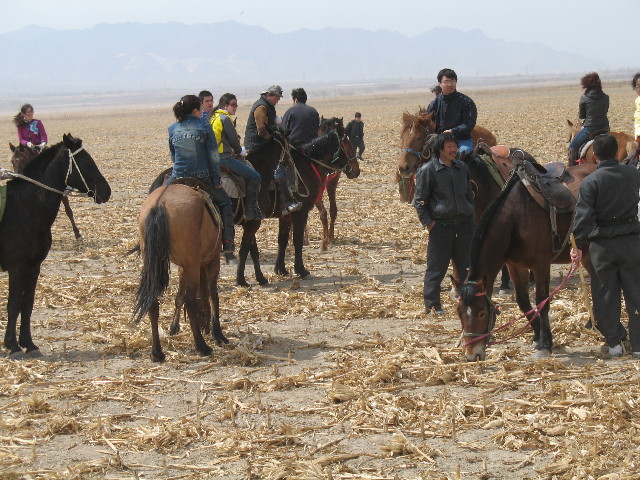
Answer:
(493, 313)
(346, 168)
(68, 190)
(420, 155)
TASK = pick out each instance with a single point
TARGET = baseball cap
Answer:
(274, 90)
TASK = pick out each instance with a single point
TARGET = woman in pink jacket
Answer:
(31, 132)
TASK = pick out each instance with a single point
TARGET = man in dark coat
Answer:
(607, 220)
(301, 121)
(355, 134)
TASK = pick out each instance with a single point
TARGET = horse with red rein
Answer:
(626, 144)
(516, 230)
(416, 150)
(23, 156)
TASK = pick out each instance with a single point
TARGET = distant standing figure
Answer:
(301, 121)
(436, 90)
(454, 112)
(31, 132)
(592, 111)
(444, 202)
(206, 105)
(636, 116)
(606, 219)
(355, 133)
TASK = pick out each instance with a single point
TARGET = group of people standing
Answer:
(606, 219)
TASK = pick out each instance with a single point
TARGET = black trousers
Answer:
(358, 144)
(615, 267)
(447, 242)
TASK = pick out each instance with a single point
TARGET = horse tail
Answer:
(154, 278)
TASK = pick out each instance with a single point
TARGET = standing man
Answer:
(355, 133)
(444, 201)
(262, 118)
(206, 105)
(454, 112)
(606, 220)
(301, 121)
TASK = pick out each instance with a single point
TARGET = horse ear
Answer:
(481, 284)
(569, 123)
(13, 149)
(406, 117)
(321, 118)
(456, 282)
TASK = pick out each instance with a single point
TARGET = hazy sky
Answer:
(602, 30)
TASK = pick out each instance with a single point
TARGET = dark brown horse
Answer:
(33, 201)
(518, 231)
(176, 227)
(331, 185)
(22, 156)
(626, 143)
(415, 150)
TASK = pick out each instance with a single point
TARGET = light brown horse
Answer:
(175, 226)
(415, 149)
(626, 143)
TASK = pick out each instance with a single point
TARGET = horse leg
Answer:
(284, 226)
(299, 223)
(17, 283)
(175, 323)
(157, 355)
(520, 279)
(204, 306)
(543, 276)
(192, 282)
(26, 308)
(325, 225)
(69, 212)
(255, 256)
(213, 272)
(332, 186)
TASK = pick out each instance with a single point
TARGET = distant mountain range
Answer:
(135, 57)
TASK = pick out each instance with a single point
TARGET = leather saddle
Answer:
(547, 183)
(498, 161)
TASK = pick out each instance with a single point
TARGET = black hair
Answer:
(634, 82)
(204, 93)
(442, 138)
(447, 72)
(358, 115)
(225, 100)
(185, 106)
(605, 146)
(19, 120)
(299, 94)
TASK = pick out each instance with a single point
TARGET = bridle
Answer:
(421, 155)
(346, 168)
(493, 311)
(67, 190)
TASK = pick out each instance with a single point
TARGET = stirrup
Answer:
(292, 207)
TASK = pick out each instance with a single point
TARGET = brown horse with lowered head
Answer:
(175, 226)
(515, 230)
(416, 150)
(626, 143)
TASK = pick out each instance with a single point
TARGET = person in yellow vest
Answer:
(230, 150)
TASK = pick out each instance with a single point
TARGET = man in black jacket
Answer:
(607, 220)
(454, 112)
(355, 134)
(444, 202)
(301, 121)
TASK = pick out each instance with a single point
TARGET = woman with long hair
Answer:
(31, 132)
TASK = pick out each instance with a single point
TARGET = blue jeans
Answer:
(240, 168)
(580, 139)
(465, 145)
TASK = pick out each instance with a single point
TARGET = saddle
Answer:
(498, 161)
(547, 184)
(585, 146)
(202, 188)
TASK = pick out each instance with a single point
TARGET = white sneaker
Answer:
(636, 354)
(616, 351)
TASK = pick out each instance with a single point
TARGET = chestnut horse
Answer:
(175, 226)
(626, 143)
(22, 156)
(415, 150)
(518, 231)
(33, 201)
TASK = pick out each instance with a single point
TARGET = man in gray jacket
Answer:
(444, 202)
(606, 220)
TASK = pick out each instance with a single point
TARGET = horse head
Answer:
(22, 156)
(573, 129)
(84, 174)
(334, 123)
(478, 316)
(415, 130)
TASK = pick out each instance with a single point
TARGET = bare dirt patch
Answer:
(339, 376)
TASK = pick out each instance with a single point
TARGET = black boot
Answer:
(573, 157)
(287, 202)
(252, 209)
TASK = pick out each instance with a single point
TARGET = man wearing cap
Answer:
(262, 118)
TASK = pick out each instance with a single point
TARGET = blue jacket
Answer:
(194, 150)
(455, 112)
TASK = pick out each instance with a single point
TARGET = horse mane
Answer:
(319, 145)
(333, 123)
(467, 292)
(484, 224)
(38, 162)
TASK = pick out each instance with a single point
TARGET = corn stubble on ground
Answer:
(341, 376)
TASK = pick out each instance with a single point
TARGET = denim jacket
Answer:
(194, 150)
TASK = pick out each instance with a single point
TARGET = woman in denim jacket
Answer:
(195, 154)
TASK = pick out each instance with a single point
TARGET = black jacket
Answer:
(301, 124)
(444, 193)
(455, 112)
(593, 108)
(608, 203)
(354, 130)
(252, 141)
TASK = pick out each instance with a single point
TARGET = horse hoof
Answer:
(542, 353)
(242, 283)
(17, 355)
(35, 353)
(588, 325)
(262, 281)
(205, 352)
(79, 238)
(221, 340)
(158, 358)
(304, 274)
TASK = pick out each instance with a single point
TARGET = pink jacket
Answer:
(34, 133)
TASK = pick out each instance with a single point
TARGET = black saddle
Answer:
(550, 181)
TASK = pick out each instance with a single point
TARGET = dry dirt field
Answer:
(340, 376)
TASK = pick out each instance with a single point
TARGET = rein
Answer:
(68, 190)
(536, 310)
